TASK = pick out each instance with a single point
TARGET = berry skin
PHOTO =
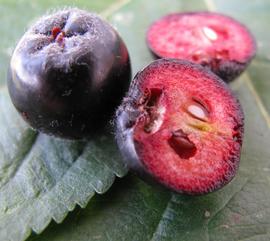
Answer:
(213, 40)
(68, 74)
(180, 125)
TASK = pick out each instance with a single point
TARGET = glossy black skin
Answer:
(69, 88)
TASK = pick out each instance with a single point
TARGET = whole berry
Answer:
(213, 40)
(180, 125)
(68, 73)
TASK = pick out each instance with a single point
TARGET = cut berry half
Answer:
(181, 125)
(210, 39)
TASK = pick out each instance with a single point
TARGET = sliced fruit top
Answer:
(188, 129)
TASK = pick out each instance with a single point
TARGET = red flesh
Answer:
(58, 35)
(187, 36)
(55, 32)
(192, 150)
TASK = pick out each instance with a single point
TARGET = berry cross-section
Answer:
(181, 126)
(213, 40)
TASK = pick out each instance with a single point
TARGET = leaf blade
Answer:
(48, 176)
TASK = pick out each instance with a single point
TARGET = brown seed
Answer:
(181, 144)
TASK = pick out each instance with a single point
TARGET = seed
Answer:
(181, 144)
(197, 110)
(210, 33)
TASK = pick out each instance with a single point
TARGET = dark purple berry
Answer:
(68, 73)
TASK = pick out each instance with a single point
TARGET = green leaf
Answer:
(134, 211)
(43, 178)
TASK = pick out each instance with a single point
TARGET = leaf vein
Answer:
(163, 213)
(225, 204)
